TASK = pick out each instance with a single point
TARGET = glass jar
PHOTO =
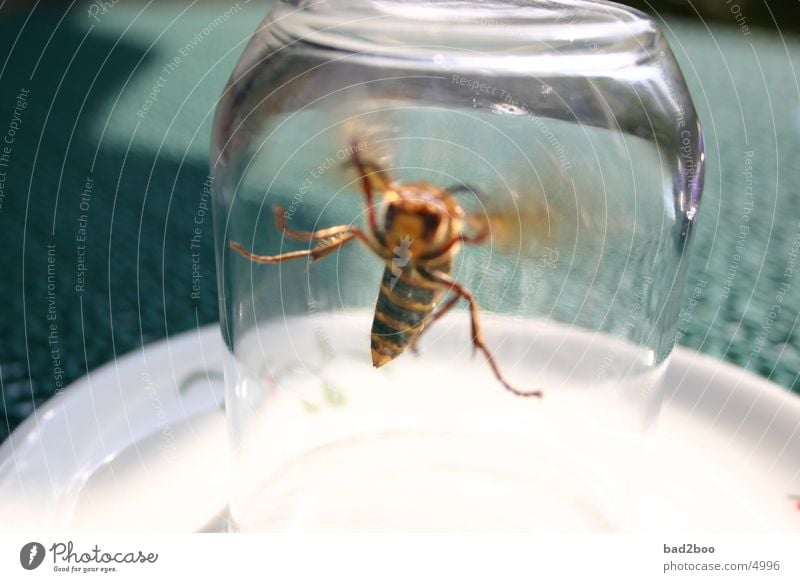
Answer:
(379, 163)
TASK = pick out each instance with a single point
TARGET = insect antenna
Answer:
(468, 189)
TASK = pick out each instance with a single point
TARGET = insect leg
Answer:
(280, 222)
(482, 231)
(325, 235)
(448, 282)
(371, 175)
(478, 238)
(314, 253)
(441, 312)
(338, 237)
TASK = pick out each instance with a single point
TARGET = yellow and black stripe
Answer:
(404, 303)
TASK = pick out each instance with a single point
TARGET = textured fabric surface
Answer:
(105, 176)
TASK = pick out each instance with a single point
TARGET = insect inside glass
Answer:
(418, 235)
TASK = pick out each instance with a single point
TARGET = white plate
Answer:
(125, 448)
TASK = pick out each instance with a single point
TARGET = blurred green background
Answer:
(754, 12)
(71, 85)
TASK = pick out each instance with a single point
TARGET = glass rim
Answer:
(541, 37)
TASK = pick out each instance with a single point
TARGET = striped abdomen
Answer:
(404, 304)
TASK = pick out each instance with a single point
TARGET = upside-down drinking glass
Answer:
(541, 156)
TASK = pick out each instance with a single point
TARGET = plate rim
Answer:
(680, 357)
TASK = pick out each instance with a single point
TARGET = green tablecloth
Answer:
(104, 175)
